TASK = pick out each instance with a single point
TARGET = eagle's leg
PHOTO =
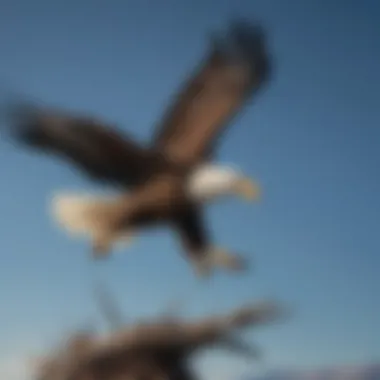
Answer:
(213, 257)
(222, 258)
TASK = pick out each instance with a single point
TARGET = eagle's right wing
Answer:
(236, 67)
(101, 152)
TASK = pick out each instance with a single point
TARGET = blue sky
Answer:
(311, 139)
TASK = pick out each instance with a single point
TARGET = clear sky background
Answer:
(312, 140)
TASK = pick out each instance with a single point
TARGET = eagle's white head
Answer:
(209, 182)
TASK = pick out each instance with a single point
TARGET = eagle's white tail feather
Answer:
(83, 214)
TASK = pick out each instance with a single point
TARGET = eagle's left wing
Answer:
(213, 95)
(99, 150)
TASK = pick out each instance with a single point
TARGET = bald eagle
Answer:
(170, 180)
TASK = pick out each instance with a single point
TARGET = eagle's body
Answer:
(171, 179)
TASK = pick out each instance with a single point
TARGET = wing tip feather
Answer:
(246, 41)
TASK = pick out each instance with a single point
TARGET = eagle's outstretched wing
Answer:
(102, 152)
(235, 68)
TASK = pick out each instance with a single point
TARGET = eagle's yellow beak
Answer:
(247, 189)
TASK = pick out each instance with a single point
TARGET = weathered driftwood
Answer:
(150, 351)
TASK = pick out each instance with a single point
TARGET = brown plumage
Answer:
(157, 176)
(151, 350)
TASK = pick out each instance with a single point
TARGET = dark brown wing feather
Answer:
(101, 152)
(234, 70)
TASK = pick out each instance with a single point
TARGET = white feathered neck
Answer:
(210, 181)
